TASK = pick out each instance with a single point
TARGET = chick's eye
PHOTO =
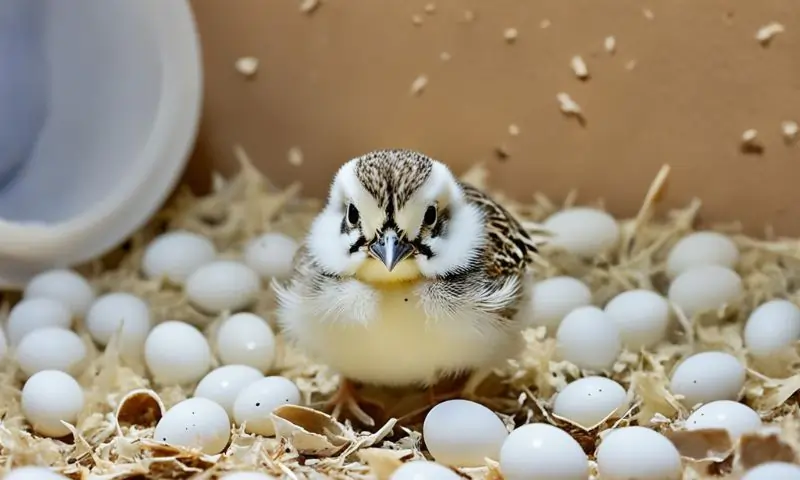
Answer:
(352, 214)
(430, 216)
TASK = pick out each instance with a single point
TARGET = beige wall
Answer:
(336, 84)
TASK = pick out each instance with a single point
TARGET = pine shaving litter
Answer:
(418, 85)
(247, 66)
(309, 6)
(510, 34)
(789, 129)
(295, 156)
(765, 34)
(113, 435)
(579, 67)
(610, 44)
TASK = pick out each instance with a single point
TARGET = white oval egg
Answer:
(256, 401)
(223, 285)
(271, 255)
(423, 470)
(583, 231)
(706, 287)
(589, 339)
(247, 476)
(734, 417)
(540, 451)
(176, 353)
(123, 314)
(33, 473)
(34, 313)
(49, 397)
(702, 248)
(461, 433)
(195, 423)
(773, 471)
(63, 285)
(590, 400)
(771, 328)
(51, 348)
(176, 255)
(708, 376)
(246, 339)
(223, 384)
(553, 298)
(638, 452)
(642, 317)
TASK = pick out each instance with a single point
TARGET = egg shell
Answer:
(773, 471)
(702, 248)
(122, 314)
(734, 417)
(246, 339)
(771, 328)
(34, 313)
(222, 285)
(256, 401)
(540, 451)
(583, 231)
(33, 473)
(195, 423)
(51, 348)
(461, 433)
(247, 476)
(553, 298)
(642, 317)
(222, 385)
(65, 286)
(590, 400)
(640, 453)
(271, 255)
(176, 353)
(49, 397)
(707, 377)
(423, 470)
(706, 287)
(175, 255)
(589, 339)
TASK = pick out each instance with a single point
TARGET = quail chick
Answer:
(407, 276)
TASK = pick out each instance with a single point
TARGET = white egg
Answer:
(223, 384)
(247, 476)
(34, 313)
(540, 451)
(123, 314)
(65, 286)
(734, 417)
(51, 348)
(589, 339)
(708, 376)
(246, 339)
(223, 285)
(461, 433)
(586, 232)
(706, 287)
(256, 401)
(640, 453)
(176, 353)
(590, 400)
(195, 423)
(271, 255)
(701, 248)
(49, 397)
(33, 473)
(642, 317)
(771, 328)
(553, 298)
(176, 255)
(773, 471)
(423, 470)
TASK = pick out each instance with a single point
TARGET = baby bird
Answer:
(407, 276)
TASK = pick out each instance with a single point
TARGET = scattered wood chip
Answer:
(750, 142)
(579, 67)
(308, 6)
(445, 56)
(418, 85)
(469, 15)
(648, 14)
(430, 8)
(295, 156)
(569, 107)
(630, 65)
(416, 20)
(247, 66)
(544, 23)
(766, 33)
(610, 44)
(510, 34)
(513, 130)
(790, 130)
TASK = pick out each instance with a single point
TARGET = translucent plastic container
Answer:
(99, 106)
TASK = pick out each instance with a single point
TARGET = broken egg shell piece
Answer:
(142, 407)
(384, 462)
(590, 428)
(310, 431)
(762, 447)
(702, 445)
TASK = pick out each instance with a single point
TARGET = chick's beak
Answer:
(391, 249)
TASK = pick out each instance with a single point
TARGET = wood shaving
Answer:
(630, 65)
(568, 106)
(510, 35)
(418, 85)
(445, 56)
(579, 67)
(750, 142)
(247, 66)
(309, 6)
(610, 44)
(648, 14)
(544, 24)
(513, 130)
(430, 8)
(789, 129)
(417, 20)
(765, 34)
(469, 15)
(295, 156)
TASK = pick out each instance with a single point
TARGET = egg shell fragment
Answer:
(590, 400)
(734, 417)
(176, 353)
(702, 248)
(271, 255)
(49, 397)
(540, 451)
(642, 317)
(773, 471)
(771, 328)
(423, 470)
(51, 348)
(553, 298)
(222, 385)
(589, 339)
(246, 339)
(256, 401)
(640, 453)
(705, 288)
(124, 315)
(583, 231)
(33, 473)
(461, 433)
(63, 285)
(195, 423)
(222, 285)
(707, 377)
(175, 255)
(35, 313)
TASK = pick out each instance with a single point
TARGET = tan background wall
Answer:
(336, 84)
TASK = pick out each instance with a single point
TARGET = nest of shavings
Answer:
(113, 437)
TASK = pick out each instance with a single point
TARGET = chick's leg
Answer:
(346, 398)
(470, 390)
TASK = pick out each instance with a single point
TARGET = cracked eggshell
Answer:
(142, 407)
(309, 431)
